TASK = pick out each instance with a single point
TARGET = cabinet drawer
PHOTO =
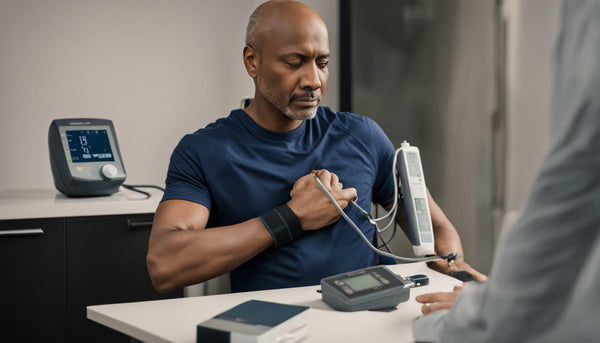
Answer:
(33, 287)
(106, 263)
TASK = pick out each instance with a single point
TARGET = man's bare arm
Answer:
(183, 252)
(447, 239)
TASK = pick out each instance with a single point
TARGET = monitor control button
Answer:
(109, 171)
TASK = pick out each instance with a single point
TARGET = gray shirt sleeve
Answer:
(545, 281)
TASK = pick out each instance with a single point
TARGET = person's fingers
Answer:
(459, 288)
(436, 297)
(428, 308)
(462, 265)
(325, 178)
(477, 275)
(347, 194)
(335, 182)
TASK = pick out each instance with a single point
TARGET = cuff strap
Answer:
(283, 225)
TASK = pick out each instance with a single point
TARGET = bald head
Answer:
(286, 53)
(271, 16)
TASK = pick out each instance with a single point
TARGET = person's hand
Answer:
(447, 241)
(443, 266)
(438, 301)
(311, 205)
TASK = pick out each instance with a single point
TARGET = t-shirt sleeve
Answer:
(383, 190)
(185, 177)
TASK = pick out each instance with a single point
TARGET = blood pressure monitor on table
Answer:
(377, 287)
(85, 157)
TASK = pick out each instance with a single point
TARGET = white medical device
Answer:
(377, 287)
(416, 205)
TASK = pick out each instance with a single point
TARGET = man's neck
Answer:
(269, 117)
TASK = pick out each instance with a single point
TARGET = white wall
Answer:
(157, 68)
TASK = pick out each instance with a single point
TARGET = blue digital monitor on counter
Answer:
(85, 157)
(89, 146)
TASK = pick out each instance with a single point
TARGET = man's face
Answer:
(293, 67)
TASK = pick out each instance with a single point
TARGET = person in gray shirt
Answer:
(545, 281)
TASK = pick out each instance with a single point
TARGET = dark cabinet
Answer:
(48, 279)
(106, 263)
(33, 280)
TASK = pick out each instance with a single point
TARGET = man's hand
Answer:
(311, 205)
(447, 241)
(443, 266)
(438, 301)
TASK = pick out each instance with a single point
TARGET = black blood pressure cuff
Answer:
(282, 224)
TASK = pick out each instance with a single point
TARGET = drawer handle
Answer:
(22, 232)
(137, 225)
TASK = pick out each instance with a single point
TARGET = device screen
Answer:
(423, 220)
(89, 146)
(361, 282)
(413, 164)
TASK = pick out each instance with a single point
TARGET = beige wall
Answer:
(157, 68)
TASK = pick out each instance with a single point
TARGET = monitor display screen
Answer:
(361, 282)
(89, 146)
(413, 164)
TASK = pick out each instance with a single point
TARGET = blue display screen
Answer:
(89, 146)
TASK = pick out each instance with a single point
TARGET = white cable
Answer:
(393, 210)
(349, 220)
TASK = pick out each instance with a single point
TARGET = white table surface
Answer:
(175, 320)
(49, 203)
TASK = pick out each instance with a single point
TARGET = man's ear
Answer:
(251, 61)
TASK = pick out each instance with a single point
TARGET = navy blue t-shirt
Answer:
(239, 170)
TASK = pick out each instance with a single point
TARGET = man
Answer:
(249, 177)
(545, 281)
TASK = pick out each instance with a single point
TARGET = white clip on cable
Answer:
(452, 256)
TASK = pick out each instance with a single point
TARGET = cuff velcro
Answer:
(283, 225)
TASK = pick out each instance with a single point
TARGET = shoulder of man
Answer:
(354, 124)
(345, 118)
(213, 131)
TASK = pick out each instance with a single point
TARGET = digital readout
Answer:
(361, 282)
(89, 146)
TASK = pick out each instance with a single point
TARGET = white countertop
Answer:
(175, 320)
(49, 203)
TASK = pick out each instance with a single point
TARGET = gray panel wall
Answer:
(424, 70)
(533, 28)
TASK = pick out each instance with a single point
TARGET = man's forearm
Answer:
(177, 258)
(446, 237)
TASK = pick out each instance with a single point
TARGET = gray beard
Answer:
(271, 97)
(300, 116)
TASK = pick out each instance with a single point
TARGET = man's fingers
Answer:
(334, 182)
(477, 275)
(428, 308)
(347, 194)
(462, 265)
(325, 178)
